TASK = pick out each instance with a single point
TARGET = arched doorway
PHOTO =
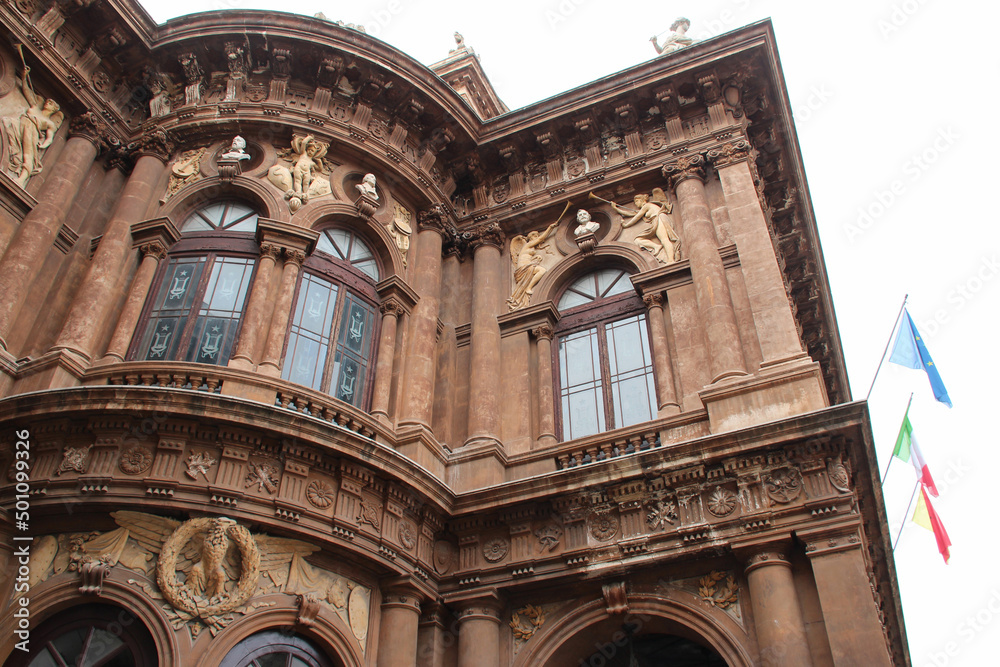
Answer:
(97, 635)
(276, 649)
(655, 650)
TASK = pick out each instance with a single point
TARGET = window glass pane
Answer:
(353, 355)
(609, 282)
(229, 216)
(346, 245)
(273, 660)
(43, 659)
(633, 392)
(70, 645)
(103, 644)
(180, 284)
(580, 384)
(219, 314)
(309, 337)
(572, 299)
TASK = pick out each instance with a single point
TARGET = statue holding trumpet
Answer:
(528, 269)
(658, 236)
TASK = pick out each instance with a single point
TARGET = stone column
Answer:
(418, 399)
(152, 237)
(96, 297)
(479, 634)
(255, 318)
(397, 645)
(391, 311)
(152, 254)
(282, 313)
(715, 304)
(665, 391)
(781, 632)
(546, 393)
(31, 241)
(779, 338)
(845, 596)
(484, 340)
(433, 637)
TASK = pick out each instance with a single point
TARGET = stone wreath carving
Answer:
(495, 549)
(721, 502)
(784, 484)
(603, 526)
(708, 589)
(135, 460)
(204, 593)
(526, 621)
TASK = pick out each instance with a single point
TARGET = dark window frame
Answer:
(598, 314)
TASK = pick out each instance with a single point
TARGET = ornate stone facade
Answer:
(356, 378)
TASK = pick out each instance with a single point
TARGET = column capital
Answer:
(295, 256)
(488, 234)
(653, 299)
(689, 166)
(434, 219)
(392, 306)
(730, 153)
(828, 539)
(153, 249)
(156, 143)
(543, 332)
(271, 250)
(395, 288)
(89, 126)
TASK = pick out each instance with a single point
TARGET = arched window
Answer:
(603, 356)
(92, 634)
(275, 649)
(197, 302)
(332, 336)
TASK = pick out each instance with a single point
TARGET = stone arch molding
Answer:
(62, 592)
(189, 197)
(326, 629)
(576, 265)
(655, 611)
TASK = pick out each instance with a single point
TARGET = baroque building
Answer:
(313, 355)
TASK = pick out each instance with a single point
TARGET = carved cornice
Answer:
(691, 166)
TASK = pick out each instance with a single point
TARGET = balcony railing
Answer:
(241, 384)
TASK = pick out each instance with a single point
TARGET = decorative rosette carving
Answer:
(603, 525)
(135, 460)
(495, 549)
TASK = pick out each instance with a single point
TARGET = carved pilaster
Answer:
(730, 153)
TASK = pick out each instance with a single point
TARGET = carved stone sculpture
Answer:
(657, 236)
(528, 269)
(159, 103)
(677, 39)
(303, 177)
(399, 229)
(185, 169)
(31, 133)
(237, 150)
(585, 224)
(367, 187)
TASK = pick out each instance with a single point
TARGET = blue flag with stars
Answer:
(911, 352)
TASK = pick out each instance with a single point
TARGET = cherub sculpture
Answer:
(658, 237)
(303, 179)
(31, 133)
(528, 269)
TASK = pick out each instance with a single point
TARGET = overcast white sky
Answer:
(885, 93)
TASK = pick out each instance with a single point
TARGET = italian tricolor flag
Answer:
(907, 450)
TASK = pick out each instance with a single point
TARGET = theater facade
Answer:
(313, 355)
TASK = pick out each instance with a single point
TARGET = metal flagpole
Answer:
(887, 344)
(900, 426)
(900, 533)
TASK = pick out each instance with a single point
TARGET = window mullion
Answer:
(196, 304)
(602, 346)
